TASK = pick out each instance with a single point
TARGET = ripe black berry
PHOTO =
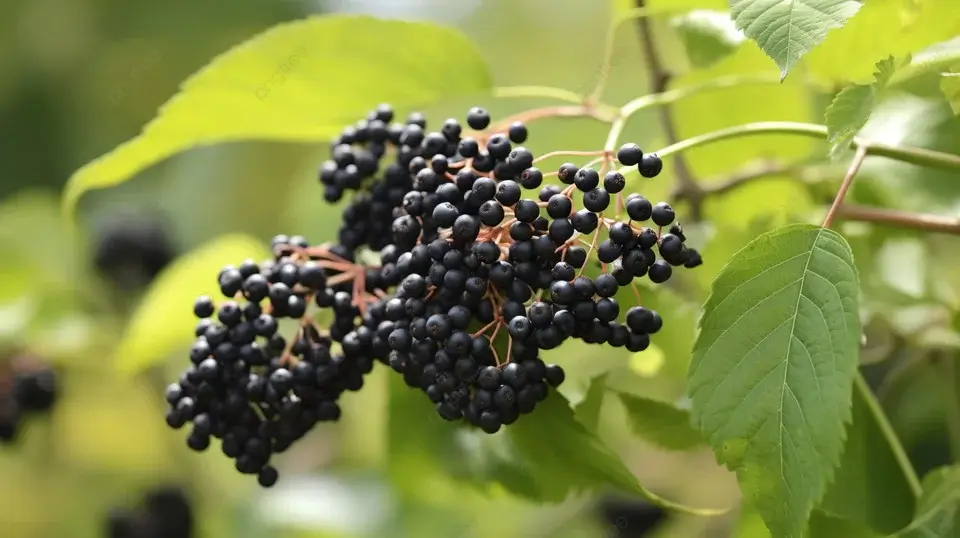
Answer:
(203, 307)
(586, 179)
(478, 118)
(567, 173)
(662, 214)
(629, 154)
(639, 208)
(518, 132)
(531, 178)
(651, 165)
(660, 271)
(596, 200)
(614, 182)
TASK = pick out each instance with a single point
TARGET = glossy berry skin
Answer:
(629, 154)
(639, 208)
(662, 214)
(203, 307)
(517, 132)
(651, 165)
(660, 272)
(478, 118)
(567, 172)
(614, 182)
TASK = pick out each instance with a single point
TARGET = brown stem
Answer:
(686, 187)
(561, 111)
(901, 219)
(858, 159)
(741, 177)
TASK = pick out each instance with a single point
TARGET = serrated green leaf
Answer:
(938, 512)
(950, 86)
(825, 525)
(787, 29)
(773, 368)
(164, 321)
(853, 105)
(301, 81)
(663, 424)
(708, 36)
(588, 410)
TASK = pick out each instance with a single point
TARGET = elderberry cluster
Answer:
(28, 387)
(445, 269)
(248, 385)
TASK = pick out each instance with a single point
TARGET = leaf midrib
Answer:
(786, 357)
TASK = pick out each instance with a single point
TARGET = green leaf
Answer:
(588, 410)
(852, 107)
(301, 81)
(950, 86)
(936, 57)
(773, 367)
(164, 321)
(869, 486)
(707, 36)
(563, 456)
(825, 525)
(938, 512)
(787, 29)
(849, 55)
(661, 423)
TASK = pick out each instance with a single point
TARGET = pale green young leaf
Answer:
(708, 36)
(853, 105)
(938, 511)
(787, 29)
(662, 424)
(773, 367)
(163, 322)
(588, 409)
(300, 81)
(950, 86)
(935, 58)
(881, 28)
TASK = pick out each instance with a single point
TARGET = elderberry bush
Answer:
(479, 264)
(28, 387)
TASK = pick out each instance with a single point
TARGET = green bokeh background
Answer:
(77, 77)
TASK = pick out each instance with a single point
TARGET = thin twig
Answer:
(660, 78)
(886, 429)
(905, 154)
(761, 170)
(858, 159)
(900, 219)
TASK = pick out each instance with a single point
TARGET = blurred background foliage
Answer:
(77, 77)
